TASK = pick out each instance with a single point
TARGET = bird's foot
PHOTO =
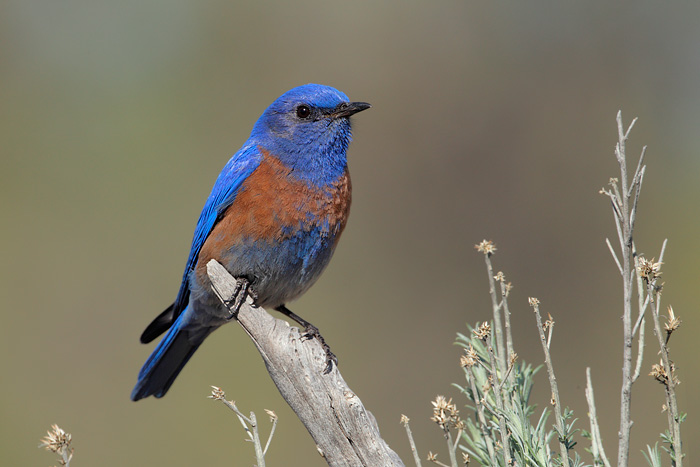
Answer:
(310, 332)
(240, 293)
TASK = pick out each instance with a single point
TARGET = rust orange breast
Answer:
(272, 206)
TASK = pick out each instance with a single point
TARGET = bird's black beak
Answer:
(347, 109)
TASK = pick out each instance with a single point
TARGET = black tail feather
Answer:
(159, 325)
(166, 362)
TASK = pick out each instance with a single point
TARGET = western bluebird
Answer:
(273, 220)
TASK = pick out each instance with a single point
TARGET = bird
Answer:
(273, 220)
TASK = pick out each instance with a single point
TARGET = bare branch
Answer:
(273, 419)
(535, 304)
(636, 186)
(506, 316)
(482, 417)
(614, 255)
(452, 449)
(663, 250)
(639, 325)
(497, 324)
(414, 450)
(665, 373)
(640, 350)
(596, 442)
(640, 317)
(498, 395)
(639, 172)
(624, 223)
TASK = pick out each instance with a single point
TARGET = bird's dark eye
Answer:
(303, 111)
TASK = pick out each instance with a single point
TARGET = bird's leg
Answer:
(240, 292)
(311, 331)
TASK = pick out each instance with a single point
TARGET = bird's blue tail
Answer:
(168, 359)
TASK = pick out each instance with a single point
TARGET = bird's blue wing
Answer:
(238, 168)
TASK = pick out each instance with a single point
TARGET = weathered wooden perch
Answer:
(346, 434)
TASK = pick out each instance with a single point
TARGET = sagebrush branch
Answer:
(346, 434)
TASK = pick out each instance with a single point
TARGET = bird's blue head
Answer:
(308, 129)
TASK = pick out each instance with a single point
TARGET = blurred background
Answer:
(490, 120)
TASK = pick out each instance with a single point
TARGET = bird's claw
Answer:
(310, 332)
(240, 292)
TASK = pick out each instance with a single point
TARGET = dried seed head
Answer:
(500, 277)
(56, 440)
(432, 457)
(661, 375)
(648, 269)
(612, 182)
(465, 458)
(272, 415)
(486, 247)
(470, 358)
(658, 372)
(513, 358)
(483, 331)
(672, 322)
(509, 287)
(217, 394)
(548, 324)
(404, 420)
(533, 301)
(440, 402)
(445, 413)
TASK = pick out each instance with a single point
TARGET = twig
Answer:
(666, 374)
(505, 290)
(483, 425)
(550, 328)
(596, 441)
(488, 248)
(498, 327)
(254, 436)
(642, 310)
(273, 419)
(640, 325)
(498, 395)
(414, 451)
(457, 439)
(669, 380)
(639, 172)
(433, 458)
(640, 350)
(509, 371)
(637, 187)
(451, 448)
(535, 304)
(614, 255)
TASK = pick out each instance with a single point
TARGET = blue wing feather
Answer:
(227, 186)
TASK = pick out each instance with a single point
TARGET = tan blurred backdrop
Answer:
(490, 120)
